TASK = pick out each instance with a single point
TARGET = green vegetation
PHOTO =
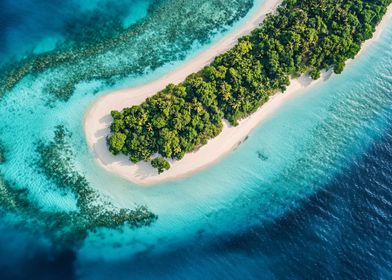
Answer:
(117, 142)
(89, 42)
(160, 164)
(303, 37)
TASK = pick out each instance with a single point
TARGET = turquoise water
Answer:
(37, 114)
(213, 221)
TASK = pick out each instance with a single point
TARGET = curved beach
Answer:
(98, 119)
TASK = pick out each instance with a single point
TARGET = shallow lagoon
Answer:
(261, 206)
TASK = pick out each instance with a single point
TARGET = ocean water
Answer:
(306, 196)
(39, 25)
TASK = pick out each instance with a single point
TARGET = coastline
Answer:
(98, 119)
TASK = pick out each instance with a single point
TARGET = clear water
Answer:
(306, 196)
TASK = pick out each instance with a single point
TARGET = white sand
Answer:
(98, 119)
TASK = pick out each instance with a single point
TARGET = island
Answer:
(204, 111)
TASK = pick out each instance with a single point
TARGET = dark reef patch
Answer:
(107, 51)
(262, 155)
(94, 211)
(2, 154)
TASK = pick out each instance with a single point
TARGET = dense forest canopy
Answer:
(302, 37)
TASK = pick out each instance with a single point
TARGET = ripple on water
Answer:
(307, 195)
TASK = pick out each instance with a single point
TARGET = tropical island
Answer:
(215, 104)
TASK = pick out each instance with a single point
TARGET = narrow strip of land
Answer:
(98, 118)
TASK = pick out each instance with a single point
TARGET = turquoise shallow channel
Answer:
(306, 195)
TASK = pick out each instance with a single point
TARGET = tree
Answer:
(315, 74)
(338, 67)
(116, 142)
(160, 164)
(301, 37)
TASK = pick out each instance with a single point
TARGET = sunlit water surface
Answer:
(307, 195)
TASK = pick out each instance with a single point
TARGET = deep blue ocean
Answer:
(306, 196)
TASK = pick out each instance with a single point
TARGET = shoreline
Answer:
(97, 118)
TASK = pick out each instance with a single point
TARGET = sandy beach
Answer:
(98, 119)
